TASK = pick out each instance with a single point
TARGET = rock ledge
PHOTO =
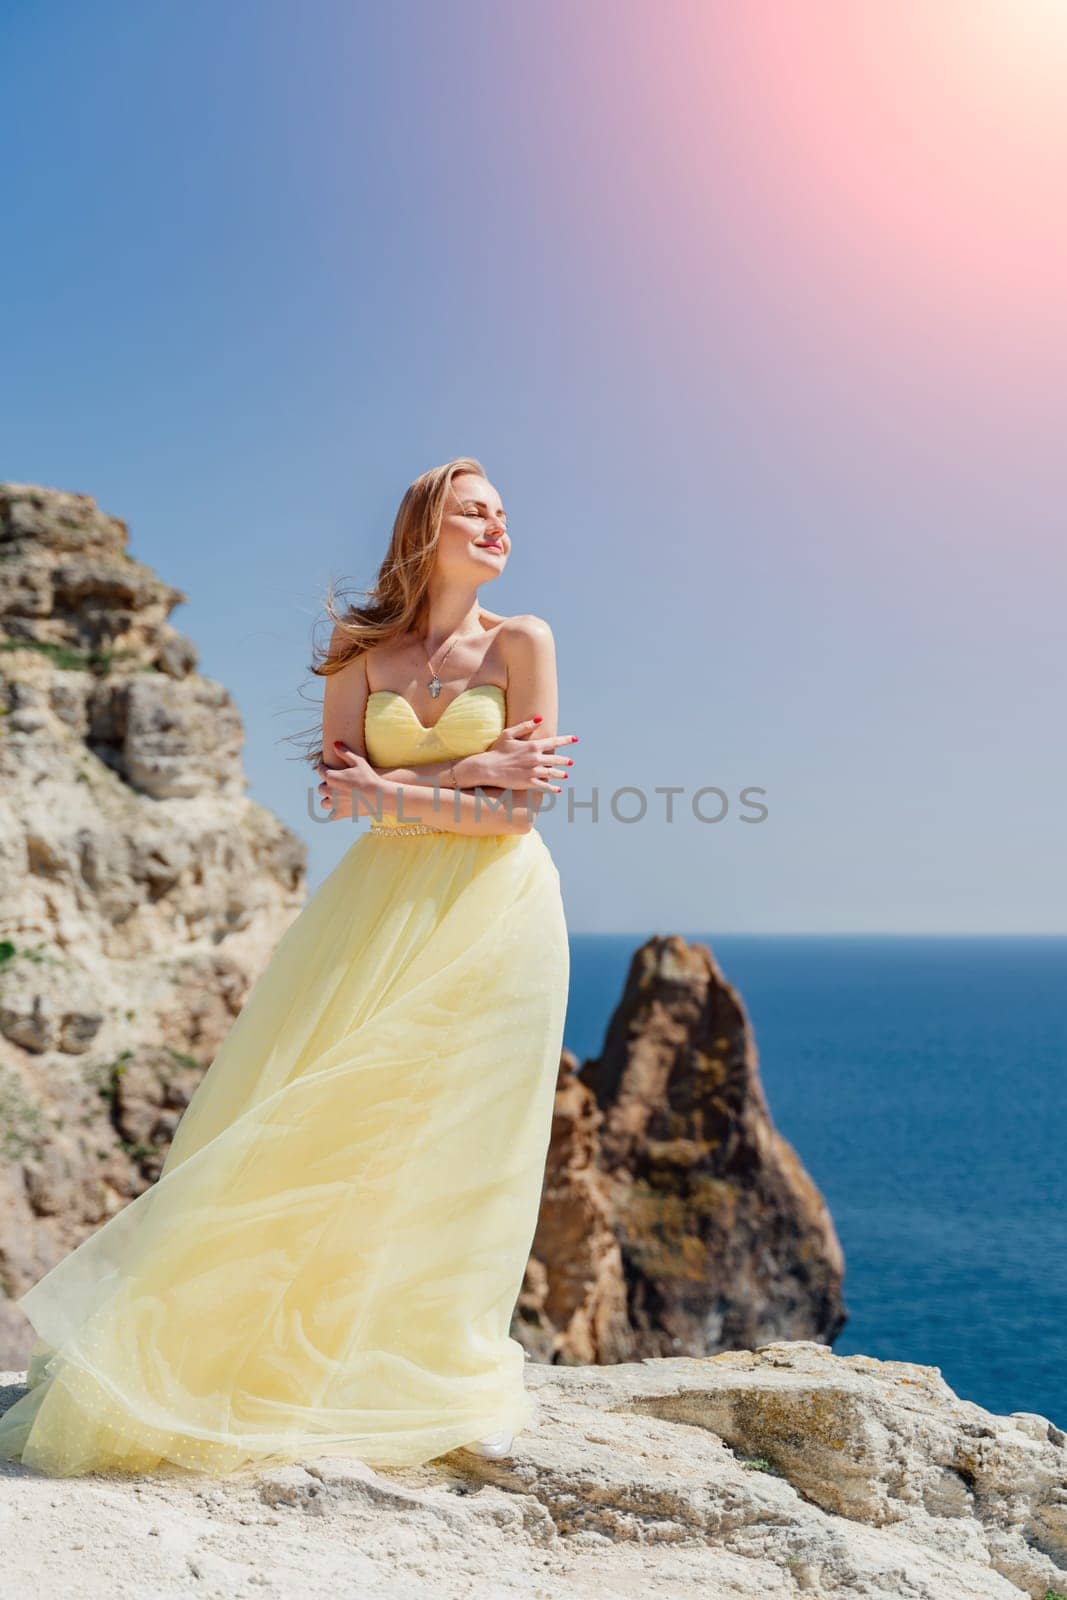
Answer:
(787, 1471)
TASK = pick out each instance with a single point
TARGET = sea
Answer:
(923, 1083)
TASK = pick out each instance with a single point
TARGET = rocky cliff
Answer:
(141, 890)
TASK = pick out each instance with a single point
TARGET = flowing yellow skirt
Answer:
(330, 1259)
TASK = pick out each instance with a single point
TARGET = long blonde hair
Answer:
(398, 603)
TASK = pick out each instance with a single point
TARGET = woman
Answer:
(331, 1256)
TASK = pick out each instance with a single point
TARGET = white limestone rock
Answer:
(779, 1473)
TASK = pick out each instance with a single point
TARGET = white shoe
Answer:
(494, 1445)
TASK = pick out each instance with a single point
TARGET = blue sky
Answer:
(772, 394)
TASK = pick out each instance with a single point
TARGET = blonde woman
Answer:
(330, 1259)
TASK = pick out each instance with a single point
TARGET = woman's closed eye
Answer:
(477, 516)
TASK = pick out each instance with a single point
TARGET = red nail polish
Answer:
(338, 744)
(539, 719)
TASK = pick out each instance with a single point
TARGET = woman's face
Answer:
(474, 539)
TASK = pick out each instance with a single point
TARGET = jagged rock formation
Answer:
(675, 1218)
(783, 1473)
(141, 890)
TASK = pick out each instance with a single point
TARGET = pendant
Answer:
(435, 686)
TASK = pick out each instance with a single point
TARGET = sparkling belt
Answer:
(404, 827)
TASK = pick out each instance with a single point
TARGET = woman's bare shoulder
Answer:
(526, 639)
(380, 654)
(340, 646)
(525, 624)
(524, 643)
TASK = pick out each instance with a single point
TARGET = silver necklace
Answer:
(434, 684)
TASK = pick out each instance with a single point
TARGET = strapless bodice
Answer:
(394, 736)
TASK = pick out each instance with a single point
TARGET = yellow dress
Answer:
(331, 1256)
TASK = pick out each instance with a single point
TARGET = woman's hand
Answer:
(517, 760)
(340, 785)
